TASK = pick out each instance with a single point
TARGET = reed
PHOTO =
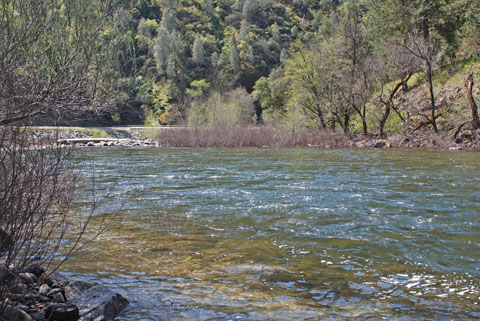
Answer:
(253, 136)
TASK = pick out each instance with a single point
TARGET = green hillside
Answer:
(364, 67)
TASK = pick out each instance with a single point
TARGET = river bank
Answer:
(36, 294)
(464, 138)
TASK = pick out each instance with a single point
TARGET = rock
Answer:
(254, 268)
(56, 280)
(58, 298)
(37, 316)
(95, 301)
(455, 148)
(43, 290)
(360, 144)
(467, 134)
(34, 268)
(18, 287)
(13, 314)
(62, 312)
(22, 307)
(28, 278)
(383, 144)
(5, 274)
(54, 291)
(6, 242)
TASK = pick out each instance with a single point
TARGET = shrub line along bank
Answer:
(265, 137)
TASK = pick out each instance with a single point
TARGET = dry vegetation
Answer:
(251, 137)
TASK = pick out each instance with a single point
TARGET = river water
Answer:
(290, 234)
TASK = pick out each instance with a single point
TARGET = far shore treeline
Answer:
(361, 67)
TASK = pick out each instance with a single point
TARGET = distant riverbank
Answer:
(262, 137)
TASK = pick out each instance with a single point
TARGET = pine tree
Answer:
(224, 59)
(198, 53)
(283, 55)
(208, 6)
(215, 58)
(171, 67)
(162, 50)
(250, 9)
(251, 55)
(244, 30)
(234, 56)
(238, 5)
(168, 20)
(276, 33)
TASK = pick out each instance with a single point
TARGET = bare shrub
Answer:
(37, 189)
(261, 136)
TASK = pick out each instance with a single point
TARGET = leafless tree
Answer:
(469, 83)
(37, 188)
(50, 67)
(393, 69)
(51, 59)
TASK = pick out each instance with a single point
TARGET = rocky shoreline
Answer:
(466, 139)
(37, 295)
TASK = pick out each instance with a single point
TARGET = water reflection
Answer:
(288, 234)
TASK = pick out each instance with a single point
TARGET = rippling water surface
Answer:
(299, 234)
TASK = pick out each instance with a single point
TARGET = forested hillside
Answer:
(358, 66)
(172, 55)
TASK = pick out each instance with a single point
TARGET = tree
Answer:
(469, 32)
(251, 9)
(52, 56)
(162, 49)
(198, 53)
(50, 52)
(244, 31)
(415, 26)
(355, 82)
(473, 105)
(234, 56)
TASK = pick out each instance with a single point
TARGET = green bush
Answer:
(234, 108)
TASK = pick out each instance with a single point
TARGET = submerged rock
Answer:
(95, 301)
(254, 268)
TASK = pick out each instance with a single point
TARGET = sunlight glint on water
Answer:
(261, 234)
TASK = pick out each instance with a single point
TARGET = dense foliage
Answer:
(329, 64)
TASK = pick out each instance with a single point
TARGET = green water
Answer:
(300, 234)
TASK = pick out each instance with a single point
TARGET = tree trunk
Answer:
(433, 116)
(365, 128)
(473, 105)
(388, 102)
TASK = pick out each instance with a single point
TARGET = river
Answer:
(293, 234)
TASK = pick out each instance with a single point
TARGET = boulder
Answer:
(44, 289)
(34, 268)
(383, 144)
(5, 274)
(13, 314)
(6, 242)
(37, 316)
(28, 278)
(62, 312)
(95, 301)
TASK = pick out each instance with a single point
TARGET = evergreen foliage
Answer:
(328, 63)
